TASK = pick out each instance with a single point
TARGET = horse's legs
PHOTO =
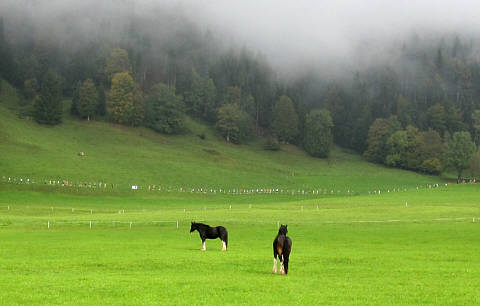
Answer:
(204, 248)
(224, 246)
(274, 270)
(282, 268)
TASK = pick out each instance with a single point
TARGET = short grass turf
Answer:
(371, 249)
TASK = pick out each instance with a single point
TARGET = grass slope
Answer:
(126, 156)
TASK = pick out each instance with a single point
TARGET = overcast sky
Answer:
(289, 30)
(292, 31)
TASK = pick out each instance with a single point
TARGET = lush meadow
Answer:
(370, 249)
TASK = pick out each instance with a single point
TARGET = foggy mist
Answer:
(287, 33)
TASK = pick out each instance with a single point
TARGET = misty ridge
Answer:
(376, 76)
(288, 34)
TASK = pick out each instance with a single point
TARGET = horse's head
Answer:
(283, 230)
(193, 227)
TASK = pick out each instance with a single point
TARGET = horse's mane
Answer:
(282, 230)
(202, 224)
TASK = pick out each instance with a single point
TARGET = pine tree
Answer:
(102, 101)
(47, 105)
(165, 110)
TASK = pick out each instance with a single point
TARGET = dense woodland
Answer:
(418, 108)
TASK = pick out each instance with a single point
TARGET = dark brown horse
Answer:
(208, 232)
(282, 245)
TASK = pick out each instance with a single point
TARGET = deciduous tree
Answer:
(233, 123)
(120, 99)
(459, 151)
(318, 139)
(285, 120)
(88, 99)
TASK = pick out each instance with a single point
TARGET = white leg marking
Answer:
(274, 270)
(203, 247)
(224, 246)
(282, 269)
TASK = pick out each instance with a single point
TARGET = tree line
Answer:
(414, 111)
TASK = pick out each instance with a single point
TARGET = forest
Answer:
(416, 108)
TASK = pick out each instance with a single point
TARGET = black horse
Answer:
(208, 232)
(282, 245)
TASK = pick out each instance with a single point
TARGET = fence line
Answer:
(91, 223)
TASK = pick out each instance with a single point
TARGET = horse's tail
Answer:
(287, 247)
(226, 238)
(224, 235)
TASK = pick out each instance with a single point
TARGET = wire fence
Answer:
(80, 186)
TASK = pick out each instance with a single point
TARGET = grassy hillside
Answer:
(124, 156)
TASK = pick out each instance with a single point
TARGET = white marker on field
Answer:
(177, 224)
(90, 224)
(48, 224)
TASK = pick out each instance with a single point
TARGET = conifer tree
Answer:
(47, 105)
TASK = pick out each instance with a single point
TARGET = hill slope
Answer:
(124, 156)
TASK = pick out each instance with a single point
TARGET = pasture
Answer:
(367, 249)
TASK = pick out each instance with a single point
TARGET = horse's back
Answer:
(222, 232)
(287, 246)
(282, 244)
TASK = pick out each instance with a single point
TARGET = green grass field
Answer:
(370, 249)
(84, 245)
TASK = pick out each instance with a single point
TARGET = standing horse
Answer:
(282, 245)
(208, 232)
